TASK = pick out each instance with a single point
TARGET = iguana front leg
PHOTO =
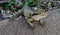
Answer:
(29, 21)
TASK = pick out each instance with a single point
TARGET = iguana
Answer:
(28, 12)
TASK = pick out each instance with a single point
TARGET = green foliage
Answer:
(11, 5)
(33, 3)
(39, 3)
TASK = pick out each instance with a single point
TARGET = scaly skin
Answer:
(28, 11)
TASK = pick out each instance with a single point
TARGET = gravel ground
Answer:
(19, 27)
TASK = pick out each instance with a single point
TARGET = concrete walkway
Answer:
(20, 27)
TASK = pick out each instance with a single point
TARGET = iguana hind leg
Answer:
(42, 22)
